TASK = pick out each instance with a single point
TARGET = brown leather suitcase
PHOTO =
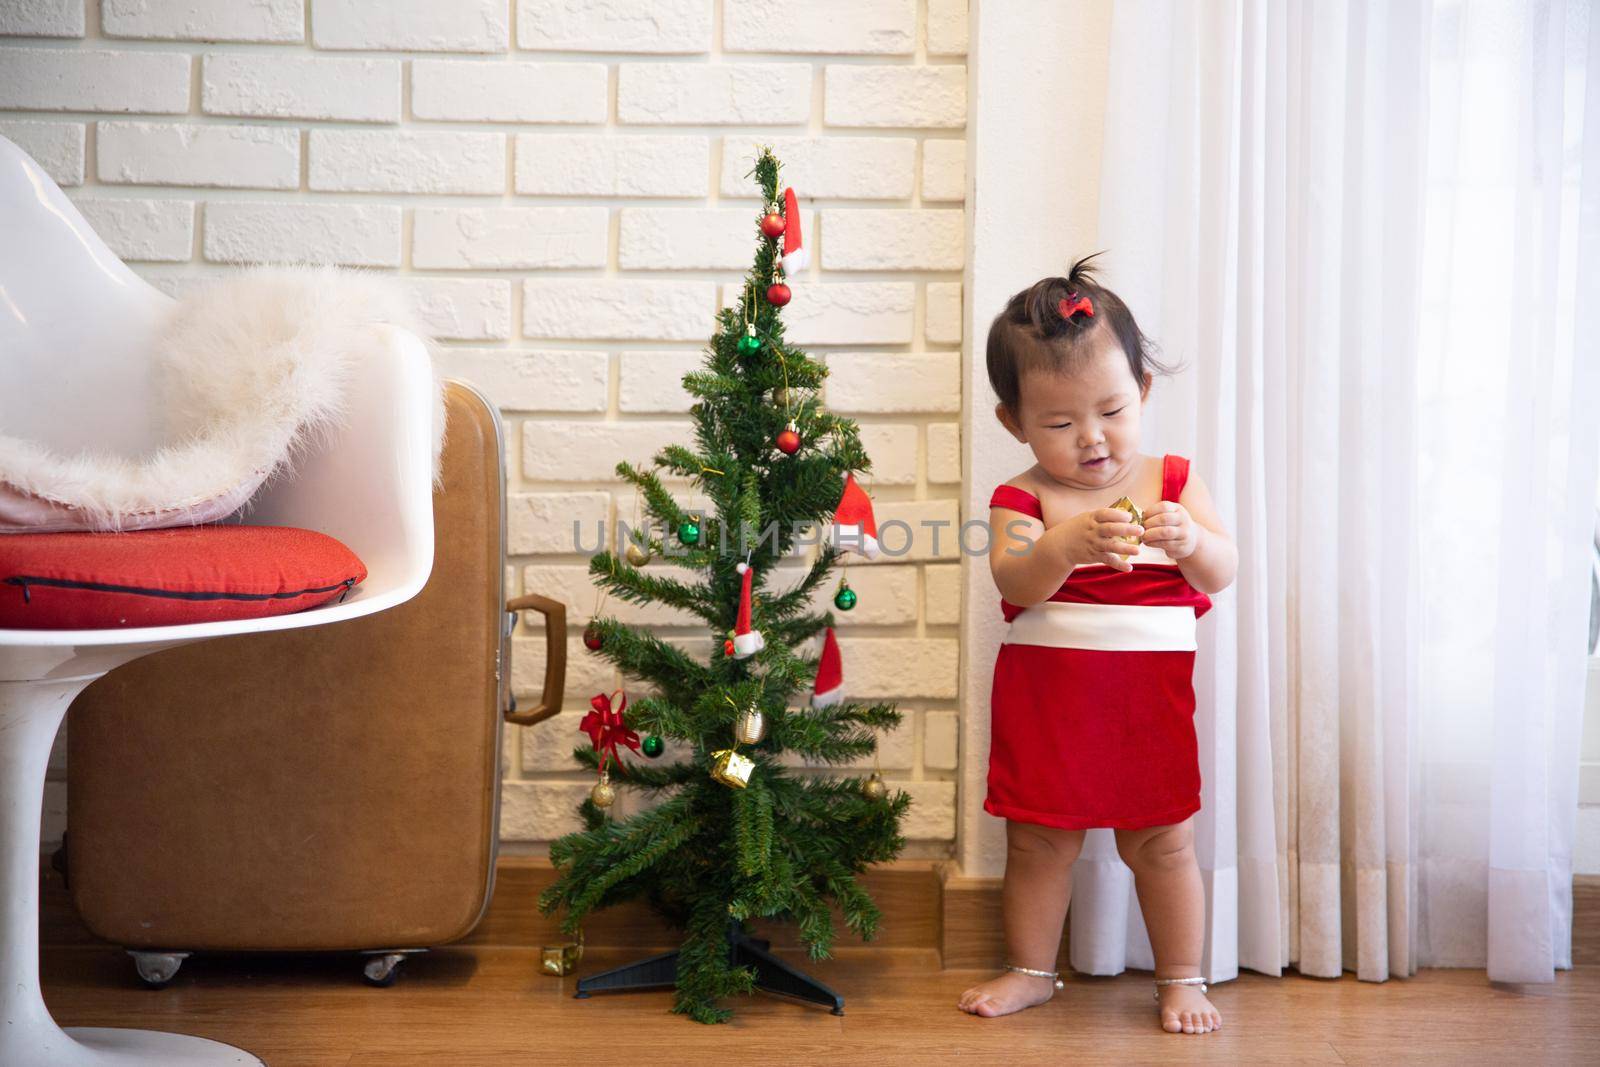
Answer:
(329, 789)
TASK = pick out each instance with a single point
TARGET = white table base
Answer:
(30, 713)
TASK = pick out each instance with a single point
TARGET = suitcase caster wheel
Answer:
(156, 969)
(383, 968)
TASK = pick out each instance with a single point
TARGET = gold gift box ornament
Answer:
(562, 959)
(1124, 504)
(731, 768)
(727, 765)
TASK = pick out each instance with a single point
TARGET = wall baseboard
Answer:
(927, 904)
(906, 891)
(1585, 919)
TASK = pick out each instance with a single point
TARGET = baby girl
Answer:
(1093, 700)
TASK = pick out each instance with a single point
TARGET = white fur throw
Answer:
(247, 372)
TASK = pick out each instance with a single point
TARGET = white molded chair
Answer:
(76, 327)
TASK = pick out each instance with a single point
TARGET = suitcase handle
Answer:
(555, 660)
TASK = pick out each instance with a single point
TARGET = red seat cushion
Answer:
(96, 581)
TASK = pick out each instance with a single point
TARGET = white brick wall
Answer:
(682, 26)
(877, 27)
(204, 20)
(414, 25)
(57, 146)
(42, 18)
(562, 188)
(176, 153)
(300, 87)
(471, 90)
(735, 94)
(610, 165)
(409, 161)
(896, 96)
(138, 229)
(62, 79)
(463, 238)
(353, 235)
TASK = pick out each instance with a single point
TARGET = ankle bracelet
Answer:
(1039, 974)
(1201, 982)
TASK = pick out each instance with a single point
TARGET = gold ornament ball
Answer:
(750, 727)
(781, 397)
(873, 788)
(637, 554)
(603, 793)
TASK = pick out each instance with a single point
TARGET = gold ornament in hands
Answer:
(1137, 519)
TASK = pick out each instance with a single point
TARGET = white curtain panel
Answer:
(1363, 227)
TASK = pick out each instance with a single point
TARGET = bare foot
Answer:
(1185, 1010)
(1012, 991)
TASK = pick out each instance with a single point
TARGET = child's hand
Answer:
(1169, 528)
(1092, 538)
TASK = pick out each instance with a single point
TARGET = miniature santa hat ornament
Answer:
(828, 689)
(794, 252)
(746, 642)
(854, 527)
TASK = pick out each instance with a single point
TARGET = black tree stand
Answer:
(772, 974)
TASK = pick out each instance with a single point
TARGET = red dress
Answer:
(1093, 700)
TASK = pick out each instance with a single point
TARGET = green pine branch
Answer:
(644, 655)
(638, 586)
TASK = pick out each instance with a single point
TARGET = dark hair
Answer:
(1032, 334)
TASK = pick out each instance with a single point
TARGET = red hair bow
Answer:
(1073, 303)
(606, 728)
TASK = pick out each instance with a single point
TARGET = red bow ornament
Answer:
(1073, 303)
(606, 729)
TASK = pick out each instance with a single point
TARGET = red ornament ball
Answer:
(789, 441)
(778, 294)
(727, 647)
(772, 224)
(591, 638)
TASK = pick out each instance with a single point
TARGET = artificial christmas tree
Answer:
(736, 835)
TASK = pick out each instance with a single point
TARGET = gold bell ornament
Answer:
(561, 959)
(874, 788)
(637, 554)
(604, 794)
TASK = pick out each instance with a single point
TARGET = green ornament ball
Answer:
(845, 599)
(689, 533)
(654, 746)
(749, 344)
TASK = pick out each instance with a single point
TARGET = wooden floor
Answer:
(490, 1005)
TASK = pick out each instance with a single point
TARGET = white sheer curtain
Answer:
(1362, 226)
